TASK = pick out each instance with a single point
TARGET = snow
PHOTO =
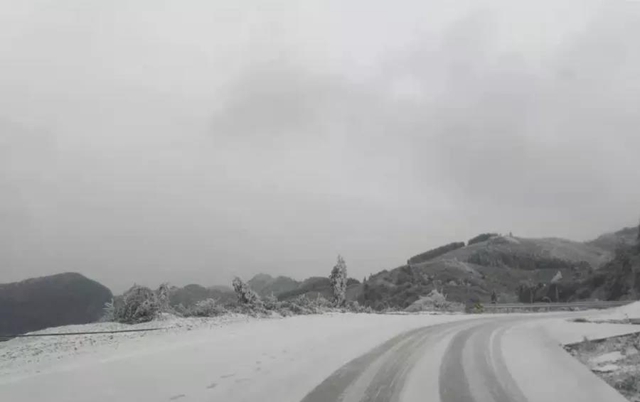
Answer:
(608, 368)
(627, 312)
(241, 358)
(566, 332)
(226, 358)
(511, 239)
(607, 358)
(631, 311)
(28, 355)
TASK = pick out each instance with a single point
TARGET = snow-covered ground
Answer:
(630, 311)
(228, 358)
(21, 357)
(566, 331)
(235, 358)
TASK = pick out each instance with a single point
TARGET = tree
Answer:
(245, 294)
(162, 294)
(338, 279)
(138, 304)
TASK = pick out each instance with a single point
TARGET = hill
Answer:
(189, 295)
(619, 279)
(285, 288)
(266, 285)
(611, 241)
(472, 272)
(50, 301)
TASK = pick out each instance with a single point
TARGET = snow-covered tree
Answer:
(245, 294)
(138, 304)
(338, 279)
(271, 302)
(109, 311)
(162, 294)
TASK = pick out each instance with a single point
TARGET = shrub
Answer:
(473, 307)
(138, 304)
(434, 301)
(109, 312)
(299, 305)
(163, 297)
(206, 308)
(271, 302)
(304, 305)
(246, 295)
(355, 307)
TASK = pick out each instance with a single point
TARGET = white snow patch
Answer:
(608, 368)
(566, 332)
(626, 312)
(607, 358)
(630, 310)
(511, 239)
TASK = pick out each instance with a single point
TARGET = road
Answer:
(488, 360)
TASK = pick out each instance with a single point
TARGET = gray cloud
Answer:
(191, 143)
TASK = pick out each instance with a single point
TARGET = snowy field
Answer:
(227, 358)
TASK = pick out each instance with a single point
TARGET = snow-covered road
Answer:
(354, 357)
(497, 359)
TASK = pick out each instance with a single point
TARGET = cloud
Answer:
(188, 150)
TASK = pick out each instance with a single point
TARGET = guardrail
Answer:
(556, 306)
(7, 337)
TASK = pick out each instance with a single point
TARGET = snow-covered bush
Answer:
(138, 304)
(109, 312)
(355, 307)
(162, 295)
(271, 302)
(246, 295)
(434, 301)
(338, 279)
(298, 305)
(206, 308)
(303, 305)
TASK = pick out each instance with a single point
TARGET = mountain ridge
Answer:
(52, 300)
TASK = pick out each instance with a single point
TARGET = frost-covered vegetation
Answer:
(338, 279)
(138, 304)
(141, 304)
(616, 360)
(435, 301)
(481, 237)
(436, 252)
(246, 296)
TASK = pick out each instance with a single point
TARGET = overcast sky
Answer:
(191, 141)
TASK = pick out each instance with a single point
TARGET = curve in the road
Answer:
(454, 362)
(380, 375)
